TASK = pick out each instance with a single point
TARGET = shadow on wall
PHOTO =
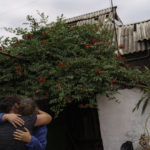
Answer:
(127, 146)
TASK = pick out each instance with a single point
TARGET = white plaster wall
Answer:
(117, 121)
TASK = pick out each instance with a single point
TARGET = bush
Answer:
(65, 63)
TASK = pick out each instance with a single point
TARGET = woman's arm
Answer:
(14, 119)
(36, 142)
(43, 118)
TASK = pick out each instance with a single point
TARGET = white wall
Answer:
(117, 121)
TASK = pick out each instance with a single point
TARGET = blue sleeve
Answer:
(38, 141)
(35, 144)
(1, 115)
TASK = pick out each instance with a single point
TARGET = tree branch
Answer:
(14, 57)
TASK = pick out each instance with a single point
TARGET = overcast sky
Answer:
(13, 12)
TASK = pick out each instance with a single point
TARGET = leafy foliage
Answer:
(65, 63)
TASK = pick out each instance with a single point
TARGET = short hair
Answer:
(27, 107)
(8, 102)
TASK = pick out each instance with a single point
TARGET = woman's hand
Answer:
(23, 136)
(14, 119)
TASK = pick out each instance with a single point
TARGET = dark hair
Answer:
(8, 102)
(27, 107)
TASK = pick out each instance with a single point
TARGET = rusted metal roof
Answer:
(135, 37)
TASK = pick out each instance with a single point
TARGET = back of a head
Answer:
(27, 107)
(8, 102)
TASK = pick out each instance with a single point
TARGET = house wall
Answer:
(118, 123)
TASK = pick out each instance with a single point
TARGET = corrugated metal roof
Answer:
(94, 16)
(135, 37)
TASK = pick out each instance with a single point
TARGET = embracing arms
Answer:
(43, 118)
(38, 139)
(36, 142)
(14, 119)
